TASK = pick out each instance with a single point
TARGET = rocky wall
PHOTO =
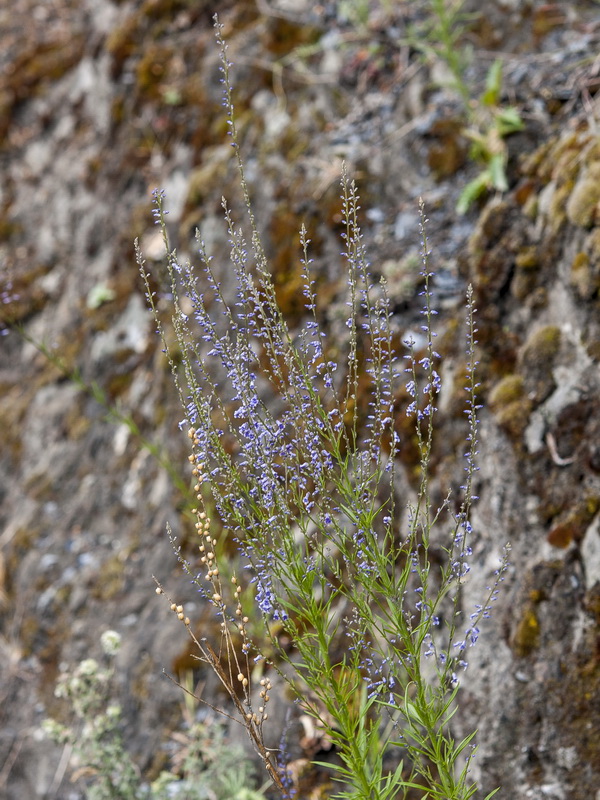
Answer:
(102, 101)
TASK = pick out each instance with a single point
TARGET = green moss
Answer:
(535, 164)
(531, 207)
(583, 205)
(510, 405)
(542, 346)
(526, 637)
(581, 261)
(557, 212)
(537, 360)
(507, 391)
(558, 160)
(152, 70)
(585, 273)
(154, 19)
(592, 151)
(514, 418)
(524, 192)
(119, 383)
(563, 157)
(561, 535)
(528, 258)
(63, 595)
(193, 93)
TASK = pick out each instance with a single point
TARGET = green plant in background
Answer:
(96, 736)
(368, 634)
(488, 122)
(440, 34)
(208, 767)
(489, 125)
(354, 11)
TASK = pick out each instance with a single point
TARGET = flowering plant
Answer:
(368, 634)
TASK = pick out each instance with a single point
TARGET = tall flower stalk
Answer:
(297, 452)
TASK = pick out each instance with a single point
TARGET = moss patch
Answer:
(537, 360)
(510, 405)
(583, 205)
(526, 637)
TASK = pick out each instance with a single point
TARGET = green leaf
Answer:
(508, 120)
(491, 794)
(493, 84)
(98, 295)
(498, 173)
(461, 746)
(473, 190)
